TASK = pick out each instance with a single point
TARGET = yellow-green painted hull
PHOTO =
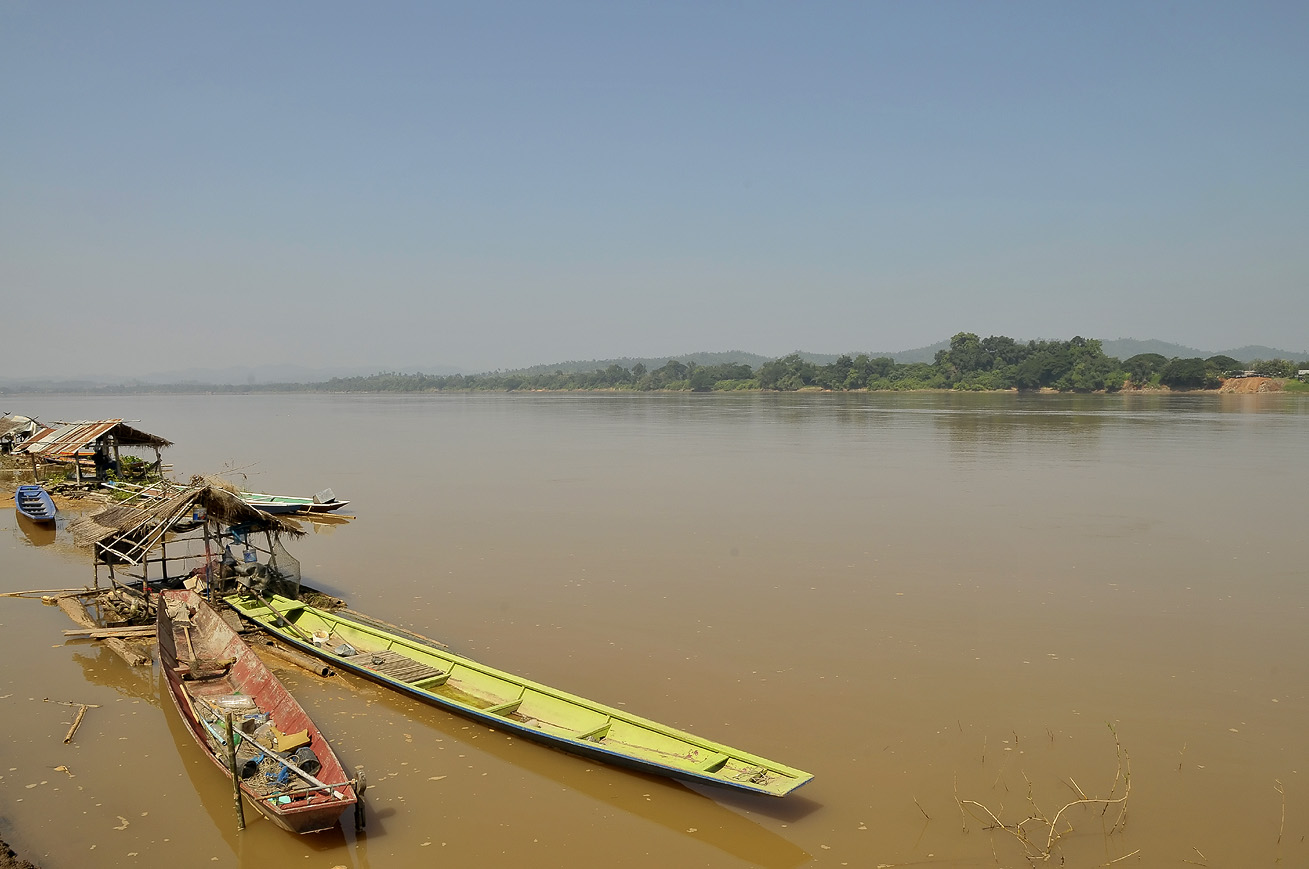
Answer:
(512, 703)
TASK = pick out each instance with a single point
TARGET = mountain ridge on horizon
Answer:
(1122, 348)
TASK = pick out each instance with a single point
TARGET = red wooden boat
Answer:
(287, 769)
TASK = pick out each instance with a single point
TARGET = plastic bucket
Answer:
(307, 760)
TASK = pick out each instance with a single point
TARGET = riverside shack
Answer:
(97, 442)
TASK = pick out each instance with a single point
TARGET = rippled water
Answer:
(919, 598)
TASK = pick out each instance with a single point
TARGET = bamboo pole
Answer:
(81, 713)
(304, 662)
(268, 603)
(236, 774)
(100, 633)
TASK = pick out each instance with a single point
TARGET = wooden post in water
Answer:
(361, 785)
(236, 773)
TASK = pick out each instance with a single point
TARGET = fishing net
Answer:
(284, 570)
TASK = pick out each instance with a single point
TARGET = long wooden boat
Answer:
(211, 671)
(35, 503)
(289, 504)
(515, 704)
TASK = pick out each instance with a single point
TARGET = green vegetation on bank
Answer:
(968, 363)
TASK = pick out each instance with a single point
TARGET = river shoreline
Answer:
(1275, 385)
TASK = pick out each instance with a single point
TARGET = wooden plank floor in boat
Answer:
(397, 666)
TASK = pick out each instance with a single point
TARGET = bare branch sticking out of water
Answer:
(963, 816)
(1075, 787)
(1124, 774)
(999, 776)
(1281, 828)
(921, 809)
(1057, 826)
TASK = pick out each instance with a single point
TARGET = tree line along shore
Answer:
(971, 363)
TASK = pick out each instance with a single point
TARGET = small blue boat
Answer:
(34, 503)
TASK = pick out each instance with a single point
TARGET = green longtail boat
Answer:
(517, 705)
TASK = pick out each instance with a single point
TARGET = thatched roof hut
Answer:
(129, 531)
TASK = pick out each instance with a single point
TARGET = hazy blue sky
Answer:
(502, 184)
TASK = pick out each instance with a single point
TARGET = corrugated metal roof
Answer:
(71, 438)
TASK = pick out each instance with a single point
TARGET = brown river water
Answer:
(943, 606)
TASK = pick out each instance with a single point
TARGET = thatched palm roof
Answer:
(133, 530)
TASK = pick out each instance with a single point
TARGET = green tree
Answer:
(1044, 367)
(788, 373)
(1224, 365)
(966, 354)
(1187, 374)
(1143, 366)
(702, 380)
(1003, 351)
(1273, 368)
(834, 376)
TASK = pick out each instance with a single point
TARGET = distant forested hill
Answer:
(731, 357)
(577, 366)
(1126, 348)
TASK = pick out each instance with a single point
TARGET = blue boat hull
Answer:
(34, 502)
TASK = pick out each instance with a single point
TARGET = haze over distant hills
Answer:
(1123, 348)
(237, 375)
(233, 375)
